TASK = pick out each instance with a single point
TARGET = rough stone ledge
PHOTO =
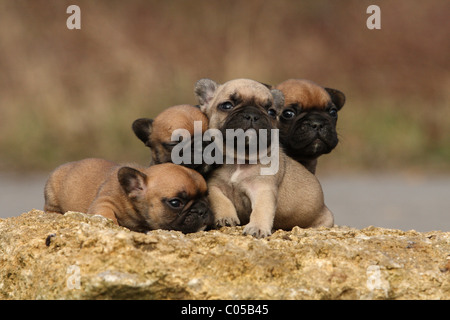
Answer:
(49, 256)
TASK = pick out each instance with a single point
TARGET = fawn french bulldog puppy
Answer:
(164, 196)
(307, 120)
(156, 133)
(239, 193)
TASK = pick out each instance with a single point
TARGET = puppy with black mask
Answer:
(282, 197)
(164, 196)
(307, 121)
(156, 134)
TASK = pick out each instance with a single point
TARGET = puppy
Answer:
(239, 193)
(165, 196)
(307, 121)
(156, 134)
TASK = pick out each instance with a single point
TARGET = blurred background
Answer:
(71, 94)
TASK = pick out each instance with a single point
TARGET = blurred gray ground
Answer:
(382, 200)
(390, 201)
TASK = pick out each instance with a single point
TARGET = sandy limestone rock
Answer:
(75, 256)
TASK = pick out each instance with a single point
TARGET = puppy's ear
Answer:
(278, 98)
(132, 181)
(204, 90)
(142, 129)
(337, 97)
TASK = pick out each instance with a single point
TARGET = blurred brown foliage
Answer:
(68, 94)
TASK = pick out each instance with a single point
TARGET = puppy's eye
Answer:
(226, 106)
(169, 145)
(272, 113)
(288, 114)
(333, 112)
(175, 203)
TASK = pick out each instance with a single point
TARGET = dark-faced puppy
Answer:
(307, 121)
(261, 195)
(164, 196)
(156, 133)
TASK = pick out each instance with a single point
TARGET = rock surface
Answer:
(49, 256)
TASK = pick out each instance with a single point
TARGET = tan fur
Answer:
(176, 117)
(239, 194)
(92, 186)
(157, 133)
(292, 197)
(305, 92)
(73, 186)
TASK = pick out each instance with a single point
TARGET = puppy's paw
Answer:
(226, 222)
(257, 231)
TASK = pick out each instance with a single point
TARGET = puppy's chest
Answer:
(241, 174)
(234, 181)
(239, 184)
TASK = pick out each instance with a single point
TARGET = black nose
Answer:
(251, 116)
(201, 208)
(316, 124)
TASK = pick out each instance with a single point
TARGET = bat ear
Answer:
(142, 129)
(132, 181)
(337, 97)
(204, 90)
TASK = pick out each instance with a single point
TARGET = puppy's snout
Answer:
(251, 116)
(315, 124)
(201, 208)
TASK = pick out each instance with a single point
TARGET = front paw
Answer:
(226, 222)
(257, 231)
